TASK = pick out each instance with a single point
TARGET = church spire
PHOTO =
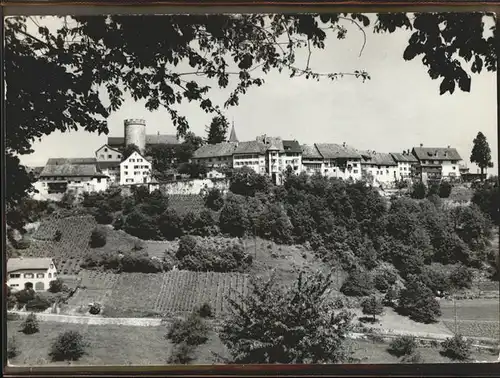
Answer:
(232, 136)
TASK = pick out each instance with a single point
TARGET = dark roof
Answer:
(74, 161)
(71, 168)
(108, 146)
(150, 139)
(404, 158)
(215, 150)
(436, 153)
(377, 158)
(310, 152)
(24, 263)
(161, 139)
(292, 146)
(337, 151)
(252, 147)
(108, 164)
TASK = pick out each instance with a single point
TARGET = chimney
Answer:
(343, 144)
(421, 144)
(448, 146)
(158, 133)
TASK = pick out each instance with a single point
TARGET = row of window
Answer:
(102, 156)
(137, 167)
(137, 173)
(136, 160)
(32, 275)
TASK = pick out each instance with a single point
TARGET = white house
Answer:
(312, 161)
(379, 168)
(109, 160)
(406, 164)
(436, 163)
(61, 175)
(215, 155)
(30, 272)
(135, 169)
(340, 161)
(250, 154)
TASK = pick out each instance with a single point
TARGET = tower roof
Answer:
(232, 136)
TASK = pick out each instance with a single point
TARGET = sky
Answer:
(399, 108)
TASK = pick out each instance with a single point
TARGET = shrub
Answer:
(118, 222)
(414, 358)
(436, 278)
(457, 348)
(98, 238)
(24, 243)
(192, 331)
(214, 199)
(56, 286)
(445, 189)
(140, 262)
(24, 296)
(403, 346)
(418, 190)
(30, 325)
(103, 214)
(461, 277)
(68, 345)
(38, 304)
(95, 308)
(205, 311)
(12, 348)
(381, 283)
(391, 297)
(182, 353)
(372, 306)
(357, 284)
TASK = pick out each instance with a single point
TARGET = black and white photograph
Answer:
(255, 188)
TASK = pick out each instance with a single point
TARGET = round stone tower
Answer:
(135, 133)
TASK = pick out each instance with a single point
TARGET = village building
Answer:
(109, 160)
(437, 163)
(312, 160)
(78, 175)
(340, 161)
(135, 169)
(36, 273)
(215, 155)
(251, 154)
(407, 163)
(379, 168)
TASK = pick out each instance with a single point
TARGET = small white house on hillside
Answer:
(135, 169)
(33, 272)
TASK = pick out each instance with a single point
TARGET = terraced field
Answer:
(71, 249)
(183, 203)
(174, 292)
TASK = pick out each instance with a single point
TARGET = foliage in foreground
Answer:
(192, 331)
(68, 346)
(457, 348)
(287, 325)
(30, 325)
(12, 347)
(403, 346)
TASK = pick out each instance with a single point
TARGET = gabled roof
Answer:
(74, 161)
(436, 153)
(109, 147)
(251, 147)
(292, 146)
(337, 151)
(377, 158)
(69, 169)
(132, 154)
(24, 263)
(215, 150)
(161, 139)
(404, 158)
(310, 152)
(116, 141)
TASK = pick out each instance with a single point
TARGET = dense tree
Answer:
(193, 170)
(481, 153)
(247, 182)
(487, 198)
(287, 325)
(214, 199)
(372, 306)
(418, 302)
(217, 130)
(68, 346)
(76, 60)
(233, 219)
(418, 190)
(357, 283)
(129, 150)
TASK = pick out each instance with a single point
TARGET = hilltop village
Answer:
(266, 155)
